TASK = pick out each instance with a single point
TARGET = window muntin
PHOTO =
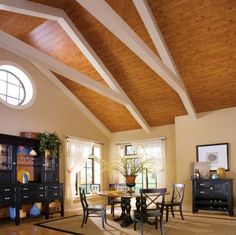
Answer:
(12, 89)
(87, 175)
(16, 89)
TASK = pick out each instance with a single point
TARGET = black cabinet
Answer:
(27, 175)
(215, 195)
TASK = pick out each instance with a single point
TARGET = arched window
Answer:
(16, 89)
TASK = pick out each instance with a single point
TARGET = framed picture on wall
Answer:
(95, 188)
(216, 154)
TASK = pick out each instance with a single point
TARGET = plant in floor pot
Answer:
(49, 143)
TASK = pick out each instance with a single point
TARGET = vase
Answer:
(130, 181)
(221, 172)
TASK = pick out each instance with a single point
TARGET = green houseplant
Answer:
(49, 142)
(128, 167)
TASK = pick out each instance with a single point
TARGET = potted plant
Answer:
(128, 167)
(49, 142)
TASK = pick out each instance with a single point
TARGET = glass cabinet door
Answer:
(49, 164)
(6, 157)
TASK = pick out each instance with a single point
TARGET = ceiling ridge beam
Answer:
(75, 99)
(102, 11)
(24, 50)
(51, 13)
(159, 42)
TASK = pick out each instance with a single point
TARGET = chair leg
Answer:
(142, 225)
(172, 211)
(167, 213)
(113, 209)
(103, 219)
(162, 229)
(156, 223)
(105, 214)
(135, 222)
(181, 213)
(84, 216)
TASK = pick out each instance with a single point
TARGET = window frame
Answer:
(29, 77)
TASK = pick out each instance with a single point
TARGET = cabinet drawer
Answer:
(7, 190)
(203, 184)
(32, 188)
(7, 198)
(33, 196)
(54, 194)
(54, 187)
(202, 192)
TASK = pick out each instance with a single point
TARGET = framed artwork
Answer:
(95, 188)
(216, 154)
(129, 150)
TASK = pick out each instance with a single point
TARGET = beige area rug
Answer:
(192, 225)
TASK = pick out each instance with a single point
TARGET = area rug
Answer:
(192, 225)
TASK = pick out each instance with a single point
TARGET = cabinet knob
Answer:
(14, 163)
(211, 188)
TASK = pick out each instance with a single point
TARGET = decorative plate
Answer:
(20, 176)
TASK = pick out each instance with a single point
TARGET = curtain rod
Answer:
(84, 139)
(140, 141)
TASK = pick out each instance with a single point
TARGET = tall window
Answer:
(82, 167)
(154, 149)
(90, 173)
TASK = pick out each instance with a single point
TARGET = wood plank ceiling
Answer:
(200, 35)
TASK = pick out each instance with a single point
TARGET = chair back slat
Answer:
(177, 193)
(152, 198)
(83, 199)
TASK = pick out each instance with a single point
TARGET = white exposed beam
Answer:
(159, 42)
(28, 52)
(51, 13)
(71, 96)
(28, 8)
(110, 19)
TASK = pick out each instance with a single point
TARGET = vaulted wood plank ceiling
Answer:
(201, 38)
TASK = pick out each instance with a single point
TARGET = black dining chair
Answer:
(151, 204)
(91, 211)
(176, 200)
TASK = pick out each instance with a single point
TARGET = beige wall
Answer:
(214, 127)
(51, 111)
(163, 131)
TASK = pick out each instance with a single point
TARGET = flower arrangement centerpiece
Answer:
(129, 167)
(49, 142)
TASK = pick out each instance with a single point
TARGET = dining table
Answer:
(125, 217)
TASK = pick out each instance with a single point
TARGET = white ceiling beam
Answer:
(51, 13)
(73, 98)
(24, 50)
(28, 8)
(159, 42)
(110, 19)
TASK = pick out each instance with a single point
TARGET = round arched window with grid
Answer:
(16, 89)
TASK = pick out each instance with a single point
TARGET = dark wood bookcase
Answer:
(28, 176)
(214, 195)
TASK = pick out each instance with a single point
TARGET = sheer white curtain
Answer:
(78, 152)
(156, 151)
